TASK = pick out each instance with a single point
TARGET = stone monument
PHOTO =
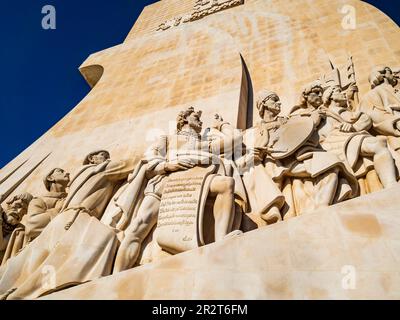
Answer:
(228, 149)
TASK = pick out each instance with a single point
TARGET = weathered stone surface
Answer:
(307, 257)
(248, 65)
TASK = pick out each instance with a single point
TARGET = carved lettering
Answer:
(179, 207)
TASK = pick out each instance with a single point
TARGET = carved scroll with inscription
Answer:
(181, 209)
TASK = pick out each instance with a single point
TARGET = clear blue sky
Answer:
(40, 80)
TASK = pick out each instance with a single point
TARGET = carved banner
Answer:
(181, 206)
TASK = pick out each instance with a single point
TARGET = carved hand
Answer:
(218, 120)
(347, 127)
(283, 120)
(178, 165)
(322, 111)
(351, 91)
(257, 155)
(397, 125)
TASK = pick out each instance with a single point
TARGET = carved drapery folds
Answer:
(201, 185)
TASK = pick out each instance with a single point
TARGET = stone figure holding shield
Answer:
(297, 173)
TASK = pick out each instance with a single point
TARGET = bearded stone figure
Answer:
(291, 172)
(74, 238)
(41, 211)
(11, 217)
(180, 173)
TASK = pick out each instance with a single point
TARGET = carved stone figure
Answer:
(196, 162)
(11, 217)
(382, 104)
(265, 197)
(305, 175)
(41, 211)
(345, 133)
(75, 238)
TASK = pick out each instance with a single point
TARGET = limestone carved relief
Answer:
(182, 171)
(75, 233)
(200, 185)
(41, 211)
(201, 9)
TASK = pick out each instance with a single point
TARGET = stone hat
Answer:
(262, 95)
(45, 181)
(308, 88)
(87, 161)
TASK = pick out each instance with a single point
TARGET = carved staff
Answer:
(351, 76)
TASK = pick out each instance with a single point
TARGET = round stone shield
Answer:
(291, 136)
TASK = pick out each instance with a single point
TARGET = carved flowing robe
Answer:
(75, 246)
(17, 241)
(346, 145)
(262, 191)
(6, 233)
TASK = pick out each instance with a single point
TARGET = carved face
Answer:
(98, 157)
(388, 74)
(314, 98)
(194, 122)
(273, 104)
(59, 176)
(339, 97)
(15, 211)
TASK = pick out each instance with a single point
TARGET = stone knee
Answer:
(222, 184)
(380, 145)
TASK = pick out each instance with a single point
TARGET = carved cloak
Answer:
(75, 246)
(41, 211)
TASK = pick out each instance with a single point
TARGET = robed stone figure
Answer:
(75, 247)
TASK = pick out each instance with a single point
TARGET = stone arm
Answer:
(389, 127)
(253, 157)
(229, 138)
(157, 158)
(364, 122)
(384, 122)
(119, 170)
(350, 121)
